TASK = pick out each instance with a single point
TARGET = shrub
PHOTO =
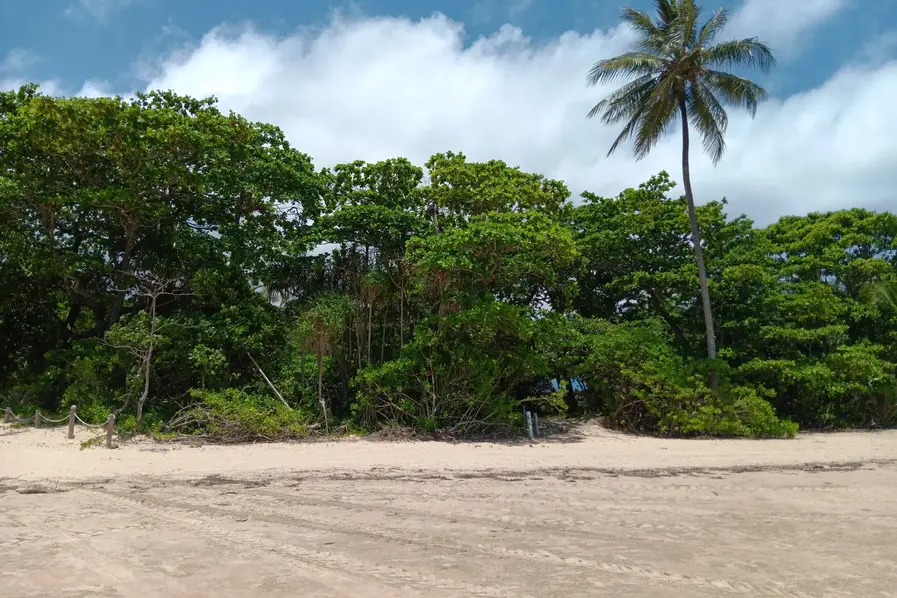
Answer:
(234, 416)
(458, 374)
(739, 411)
(642, 385)
(853, 386)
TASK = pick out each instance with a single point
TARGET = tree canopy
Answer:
(159, 256)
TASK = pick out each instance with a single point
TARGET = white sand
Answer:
(31, 454)
(601, 515)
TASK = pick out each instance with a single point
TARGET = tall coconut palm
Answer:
(673, 74)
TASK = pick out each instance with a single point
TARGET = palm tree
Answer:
(674, 72)
(886, 294)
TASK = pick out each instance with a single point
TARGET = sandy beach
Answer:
(591, 513)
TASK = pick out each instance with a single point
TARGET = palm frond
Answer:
(674, 63)
(627, 131)
(660, 113)
(886, 294)
(626, 65)
(709, 118)
(626, 101)
(742, 52)
(640, 21)
(652, 39)
(688, 16)
(666, 10)
(713, 26)
(648, 104)
(735, 90)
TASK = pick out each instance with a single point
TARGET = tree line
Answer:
(191, 271)
(168, 261)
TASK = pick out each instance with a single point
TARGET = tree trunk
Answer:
(142, 400)
(71, 318)
(147, 359)
(696, 240)
(302, 370)
(383, 336)
(358, 335)
(401, 317)
(370, 326)
(321, 389)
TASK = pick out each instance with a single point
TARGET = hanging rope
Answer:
(54, 421)
(84, 423)
(21, 420)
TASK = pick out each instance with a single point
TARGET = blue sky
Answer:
(72, 41)
(517, 65)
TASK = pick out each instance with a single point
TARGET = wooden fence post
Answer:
(529, 424)
(72, 423)
(536, 423)
(37, 418)
(7, 416)
(110, 428)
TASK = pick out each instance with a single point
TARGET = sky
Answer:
(502, 79)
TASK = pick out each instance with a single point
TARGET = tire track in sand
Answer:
(647, 509)
(646, 573)
(118, 577)
(566, 525)
(662, 532)
(388, 575)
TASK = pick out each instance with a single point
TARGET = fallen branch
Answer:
(271, 384)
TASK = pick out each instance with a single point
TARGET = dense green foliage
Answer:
(153, 251)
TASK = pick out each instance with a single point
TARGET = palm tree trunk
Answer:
(696, 240)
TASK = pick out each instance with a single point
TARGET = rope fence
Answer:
(11, 418)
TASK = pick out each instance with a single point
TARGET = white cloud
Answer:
(386, 87)
(18, 59)
(97, 9)
(93, 89)
(784, 24)
(50, 87)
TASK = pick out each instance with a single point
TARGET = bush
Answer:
(234, 416)
(458, 374)
(398, 393)
(853, 386)
(739, 411)
(642, 385)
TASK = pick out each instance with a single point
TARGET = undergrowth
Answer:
(231, 416)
